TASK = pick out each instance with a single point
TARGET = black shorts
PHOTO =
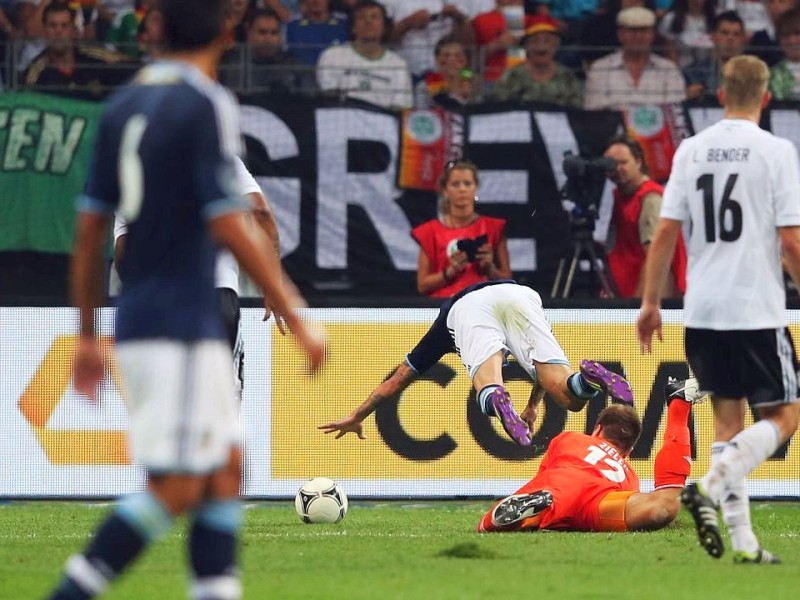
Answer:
(758, 364)
(229, 301)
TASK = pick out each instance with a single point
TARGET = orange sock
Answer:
(674, 460)
(486, 524)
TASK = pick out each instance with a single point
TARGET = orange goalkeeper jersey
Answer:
(579, 470)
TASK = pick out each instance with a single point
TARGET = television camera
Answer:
(581, 194)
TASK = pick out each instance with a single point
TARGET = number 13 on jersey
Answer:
(610, 457)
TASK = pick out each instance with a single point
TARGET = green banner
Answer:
(45, 148)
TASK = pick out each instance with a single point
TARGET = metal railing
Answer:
(242, 72)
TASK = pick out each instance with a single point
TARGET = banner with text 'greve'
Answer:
(46, 144)
(348, 181)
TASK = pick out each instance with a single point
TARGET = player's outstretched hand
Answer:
(340, 428)
(649, 322)
(314, 345)
(529, 415)
(296, 300)
(87, 368)
(280, 322)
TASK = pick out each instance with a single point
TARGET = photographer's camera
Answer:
(471, 246)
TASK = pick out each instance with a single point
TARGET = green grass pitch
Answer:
(405, 550)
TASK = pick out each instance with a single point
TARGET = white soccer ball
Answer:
(321, 500)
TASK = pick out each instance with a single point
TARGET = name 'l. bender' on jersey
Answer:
(726, 155)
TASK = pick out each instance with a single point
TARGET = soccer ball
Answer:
(321, 500)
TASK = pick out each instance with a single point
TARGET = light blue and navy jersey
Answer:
(164, 159)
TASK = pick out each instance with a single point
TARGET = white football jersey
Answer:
(735, 184)
(227, 270)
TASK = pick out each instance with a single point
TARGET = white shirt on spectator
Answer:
(609, 84)
(117, 6)
(477, 7)
(417, 45)
(753, 13)
(693, 43)
(383, 81)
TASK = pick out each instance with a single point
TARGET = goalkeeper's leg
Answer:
(672, 465)
(516, 513)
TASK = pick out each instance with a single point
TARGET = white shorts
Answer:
(184, 417)
(504, 317)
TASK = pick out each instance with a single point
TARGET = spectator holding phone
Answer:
(460, 247)
(451, 83)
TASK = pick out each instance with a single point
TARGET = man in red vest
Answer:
(637, 205)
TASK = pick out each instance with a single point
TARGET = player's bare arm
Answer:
(398, 381)
(86, 277)
(231, 231)
(264, 218)
(659, 259)
(531, 412)
(790, 252)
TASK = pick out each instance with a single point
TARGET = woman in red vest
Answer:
(637, 206)
(460, 247)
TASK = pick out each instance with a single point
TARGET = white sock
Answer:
(735, 506)
(717, 448)
(747, 450)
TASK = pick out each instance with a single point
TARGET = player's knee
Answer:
(226, 482)
(554, 378)
(576, 404)
(178, 495)
(785, 418)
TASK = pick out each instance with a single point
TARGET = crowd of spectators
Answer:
(540, 77)
(594, 54)
(398, 54)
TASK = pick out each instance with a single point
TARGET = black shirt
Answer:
(97, 71)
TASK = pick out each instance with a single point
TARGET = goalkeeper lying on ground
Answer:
(585, 483)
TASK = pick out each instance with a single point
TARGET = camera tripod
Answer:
(583, 244)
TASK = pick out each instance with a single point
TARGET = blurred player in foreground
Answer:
(585, 483)
(484, 323)
(226, 273)
(164, 158)
(738, 186)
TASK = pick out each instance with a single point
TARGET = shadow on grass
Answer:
(467, 550)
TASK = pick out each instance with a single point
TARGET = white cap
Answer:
(636, 16)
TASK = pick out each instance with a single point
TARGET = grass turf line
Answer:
(394, 550)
